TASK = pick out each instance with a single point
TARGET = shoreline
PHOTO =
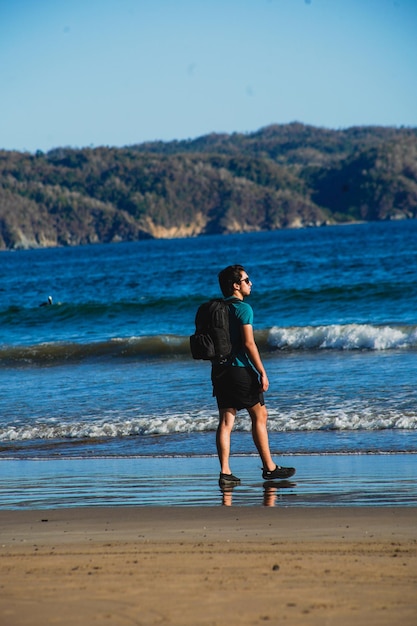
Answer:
(33, 245)
(209, 565)
(320, 481)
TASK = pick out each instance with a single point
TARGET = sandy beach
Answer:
(209, 565)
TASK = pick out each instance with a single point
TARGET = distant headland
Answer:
(282, 176)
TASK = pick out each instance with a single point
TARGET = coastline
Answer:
(320, 481)
(209, 565)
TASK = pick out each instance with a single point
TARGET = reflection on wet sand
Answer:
(271, 492)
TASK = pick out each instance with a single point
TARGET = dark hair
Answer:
(228, 277)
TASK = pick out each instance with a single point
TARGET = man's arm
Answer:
(252, 351)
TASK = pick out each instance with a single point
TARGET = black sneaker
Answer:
(228, 479)
(279, 473)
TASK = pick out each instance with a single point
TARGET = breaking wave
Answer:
(345, 418)
(331, 337)
(344, 337)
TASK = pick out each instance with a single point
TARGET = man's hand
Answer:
(264, 382)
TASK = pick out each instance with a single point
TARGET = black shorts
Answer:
(236, 387)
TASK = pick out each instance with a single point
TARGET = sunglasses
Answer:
(245, 280)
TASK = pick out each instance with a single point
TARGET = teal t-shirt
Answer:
(241, 313)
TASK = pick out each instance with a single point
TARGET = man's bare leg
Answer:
(223, 435)
(259, 417)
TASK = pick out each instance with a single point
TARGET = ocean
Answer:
(101, 402)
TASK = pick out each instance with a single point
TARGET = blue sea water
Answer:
(105, 373)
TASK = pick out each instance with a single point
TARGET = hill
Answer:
(282, 176)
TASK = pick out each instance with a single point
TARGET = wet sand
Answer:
(209, 565)
(321, 480)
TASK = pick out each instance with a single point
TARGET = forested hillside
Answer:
(279, 177)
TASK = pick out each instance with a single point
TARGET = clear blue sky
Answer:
(117, 72)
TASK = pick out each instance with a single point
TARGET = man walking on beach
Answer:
(242, 383)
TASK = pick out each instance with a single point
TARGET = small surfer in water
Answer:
(242, 383)
(47, 303)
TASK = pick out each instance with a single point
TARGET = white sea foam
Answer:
(111, 427)
(343, 337)
(343, 419)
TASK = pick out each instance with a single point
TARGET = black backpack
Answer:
(211, 340)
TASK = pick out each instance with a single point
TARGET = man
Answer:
(241, 383)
